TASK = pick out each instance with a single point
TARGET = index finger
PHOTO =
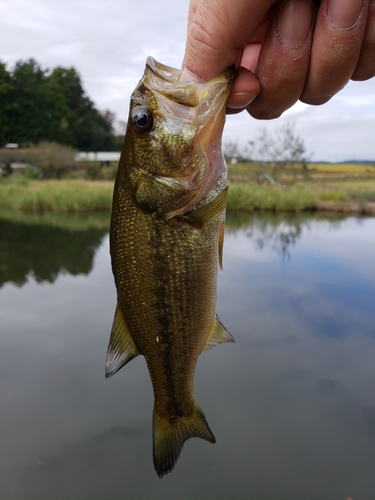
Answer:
(217, 32)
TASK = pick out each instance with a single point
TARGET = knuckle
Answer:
(264, 113)
(315, 99)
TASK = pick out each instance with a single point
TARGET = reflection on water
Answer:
(43, 246)
(292, 402)
(278, 231)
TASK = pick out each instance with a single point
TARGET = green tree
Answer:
(58, 109)
(27, 113)
(6, 103)
(73, 118)
(51, 106)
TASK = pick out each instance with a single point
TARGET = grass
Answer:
(254, 197)
(56, 196)
(298, 198)
(245, 171)
(348, 188)
(342, 168)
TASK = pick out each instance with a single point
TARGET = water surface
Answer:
(291, 403)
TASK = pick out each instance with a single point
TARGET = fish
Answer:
(166, 240)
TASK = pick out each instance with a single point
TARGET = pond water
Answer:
(291, 403)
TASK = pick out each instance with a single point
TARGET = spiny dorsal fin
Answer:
(121, 348)
(169, 436)
(219, 335)
(208, 212)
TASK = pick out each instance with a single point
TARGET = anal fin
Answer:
(121, 348)
(219, 335)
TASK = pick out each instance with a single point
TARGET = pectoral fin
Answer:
(121, 348)
(208, 212)
(219, 335)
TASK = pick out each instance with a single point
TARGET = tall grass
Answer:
(59, 196)
(84, 196)
(301, 197)
(255, 197)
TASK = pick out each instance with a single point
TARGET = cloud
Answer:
(108, 42)
(342, 129)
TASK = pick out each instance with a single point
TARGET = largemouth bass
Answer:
(166, 238)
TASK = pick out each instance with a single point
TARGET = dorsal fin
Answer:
(219, 335)
(121, 348)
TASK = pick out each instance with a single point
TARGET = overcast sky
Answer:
(108, 42)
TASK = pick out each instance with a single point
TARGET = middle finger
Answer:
(284, 59)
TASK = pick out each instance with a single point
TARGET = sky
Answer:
(108, 43)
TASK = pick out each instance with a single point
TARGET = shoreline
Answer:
(349, 207)
(81, 196)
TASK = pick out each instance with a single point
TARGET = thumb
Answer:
(217, 32)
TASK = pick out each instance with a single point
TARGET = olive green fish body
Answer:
(166, 237)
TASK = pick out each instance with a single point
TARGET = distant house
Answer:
(17, 166)
(12, 160)
(104, 157)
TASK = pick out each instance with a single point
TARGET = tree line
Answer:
(38, 105)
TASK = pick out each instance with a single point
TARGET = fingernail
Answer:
(188, 76)
(294, 23)
(344, 14)
(238, 100)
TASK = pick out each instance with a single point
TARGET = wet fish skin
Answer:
(165, 238)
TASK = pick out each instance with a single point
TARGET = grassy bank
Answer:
(56, 196)
(341, 188)
(318, 187)
(301, 197)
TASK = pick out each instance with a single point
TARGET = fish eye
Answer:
(142, 120)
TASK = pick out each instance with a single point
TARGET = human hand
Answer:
(284, 51)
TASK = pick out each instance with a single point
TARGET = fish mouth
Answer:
(165, 80)
(164, 72)
(172, 75)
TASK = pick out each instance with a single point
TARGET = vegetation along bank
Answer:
(325, 187)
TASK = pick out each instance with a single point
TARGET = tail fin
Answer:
(169, 437)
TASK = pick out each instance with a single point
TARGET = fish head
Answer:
(172, 149)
